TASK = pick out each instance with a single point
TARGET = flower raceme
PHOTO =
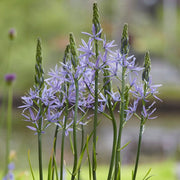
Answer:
(54, 96)
(96, 76)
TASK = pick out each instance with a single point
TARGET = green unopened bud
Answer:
(39, 73)
(73, 50)
(66, 54)
(147, 67)
(95, 20)
(38, 52)
(125, 40)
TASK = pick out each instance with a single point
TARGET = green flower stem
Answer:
(140, 136)
(9, 126)
(9, 64)
(107, 88)
(139, 148)
(54, 149)
(97, 26)
(122, 106)
(82, 145)
(95, 126)
(40, 144)
(66, 89)
(62, 142)
(114, 139)
(3, 106)
(40, 155)
(97, 29)
(74, 131)
(39, 82)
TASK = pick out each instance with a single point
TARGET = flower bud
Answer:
(9, 78)
(39, 75)
(12, 33)
(95, 20)
(66, 54)
(147, 67)
(125, 40)
(73, 50)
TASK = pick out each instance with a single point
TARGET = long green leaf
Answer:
(32, 173)
(50, 169)
(132, 174)
(71, 143)
(82, 154)
(89, 161)
(146, 177)
(55, 167)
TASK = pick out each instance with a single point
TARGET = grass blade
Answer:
(32, 173)
(55, 167)
(146, 177)
(89, 161)
(71, 143)
(82, 154)
(50, 169)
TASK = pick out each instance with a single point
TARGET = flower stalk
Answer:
(145, 79)
(97, 28)
(124, 51)
(39, 82)
(66, 90)
(107, 88)
(62, 142)
(74, 60)
(9, 126)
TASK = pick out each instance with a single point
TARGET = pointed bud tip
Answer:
(125, 40)
(125, 30)
(71, 38)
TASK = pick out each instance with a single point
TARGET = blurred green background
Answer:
(154, 25)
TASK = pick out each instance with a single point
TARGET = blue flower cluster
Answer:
(59, 87)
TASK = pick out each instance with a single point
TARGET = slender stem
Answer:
(54, 149)
(55, 138)
(140, 136)
(40, 145)
(9, 64)
(9, 126)
(95, 114)
(118, 152)
(74, 131)
(40, 155)
(62, 142)
(114, 140)
(82, 145)
(95, 126)
(139, 148)
(3, 106)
